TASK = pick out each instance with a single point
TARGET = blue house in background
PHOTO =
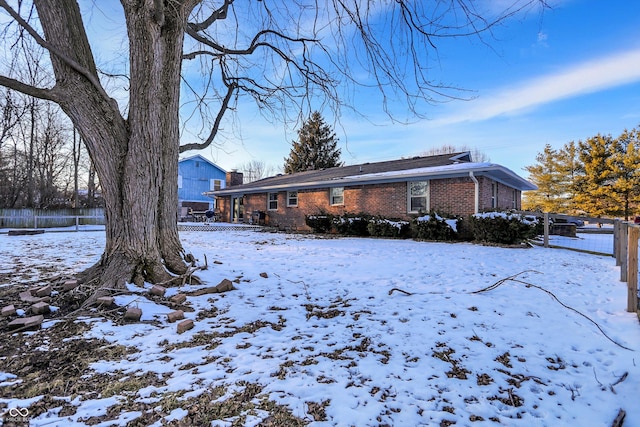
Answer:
(195, 176)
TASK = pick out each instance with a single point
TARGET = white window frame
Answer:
(411, 196)
(336, 196)
(292, 198)
(272, 203)
(215, 184)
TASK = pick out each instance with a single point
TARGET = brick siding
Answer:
(451, 196)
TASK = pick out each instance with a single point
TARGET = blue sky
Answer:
(567, 74)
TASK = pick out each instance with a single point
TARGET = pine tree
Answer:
(547, 175)
(316, 147)
(594, 193)
(624, 165)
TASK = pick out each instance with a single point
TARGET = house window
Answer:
(179, 181)
(215, 184)
(197, 164)
(292, 198)
(515, 199)
(418, 196)
(273, 201)
(336, 195)
(494, 195)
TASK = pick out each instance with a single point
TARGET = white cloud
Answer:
(588, 77)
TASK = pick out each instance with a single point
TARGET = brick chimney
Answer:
(234, 178)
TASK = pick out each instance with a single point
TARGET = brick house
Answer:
(448, 183)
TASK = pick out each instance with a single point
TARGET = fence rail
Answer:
(40, 218)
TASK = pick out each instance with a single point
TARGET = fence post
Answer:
(632, 265)
(617, 242)
(623, 250)
(77, 223)
(546, 229)
(35, 221)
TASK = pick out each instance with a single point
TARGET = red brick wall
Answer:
(455, 196)
(505, 196)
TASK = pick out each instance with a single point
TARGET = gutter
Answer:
(477, 192)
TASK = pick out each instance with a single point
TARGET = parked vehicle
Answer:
(636, 220)
(577, 222)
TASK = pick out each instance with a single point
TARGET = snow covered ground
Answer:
(329, 327)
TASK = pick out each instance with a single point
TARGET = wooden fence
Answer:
(626, 252)
(50, 218)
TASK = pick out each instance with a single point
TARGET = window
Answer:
(336, 195)
(515, 199)
(418, 196)
(273, 201)
(179, 181)
(215, 184)
(494, 195)
(292, 198)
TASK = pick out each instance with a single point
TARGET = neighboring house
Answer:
(197, 175)
(448, 184)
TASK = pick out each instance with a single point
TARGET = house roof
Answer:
(413, 169)
(202, 159)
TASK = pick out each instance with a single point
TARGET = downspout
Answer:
(477, 192)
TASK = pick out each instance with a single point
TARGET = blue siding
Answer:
(195, 174)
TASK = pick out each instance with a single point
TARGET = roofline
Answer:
(202, 158)
(482, 169)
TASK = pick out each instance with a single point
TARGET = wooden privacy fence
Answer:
(626, 252)
(49, 218)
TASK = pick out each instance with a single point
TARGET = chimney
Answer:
(234, 178)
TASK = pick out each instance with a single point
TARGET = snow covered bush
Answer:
(352, 224)
(434, 227)
(320, 223)
(382, 227)
(502, 227)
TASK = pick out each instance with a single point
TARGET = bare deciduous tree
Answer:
(290, 59)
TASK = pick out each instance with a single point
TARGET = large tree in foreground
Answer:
(316, 147)
(285, 56)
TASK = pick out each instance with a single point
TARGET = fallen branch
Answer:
(501, 281)
(528, 285)
(619, 419)
(400, 290)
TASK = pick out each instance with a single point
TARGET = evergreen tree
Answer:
(624, 165)
(547, 175)
(316, 147)
(570, 169)
(594, 193)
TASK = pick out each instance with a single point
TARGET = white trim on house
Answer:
(493, 171)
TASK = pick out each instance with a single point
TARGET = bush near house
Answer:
(502, 227)
(434, 227)
(491, 227)
(382, 227)
(320, 223)
(352, 224)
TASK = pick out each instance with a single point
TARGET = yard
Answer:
(330, 332)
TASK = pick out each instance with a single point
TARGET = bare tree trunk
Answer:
(142, 242)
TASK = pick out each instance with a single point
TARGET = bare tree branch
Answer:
(92, 78)
(48, 94)
(231, 89)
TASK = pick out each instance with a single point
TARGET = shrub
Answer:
(502, 227)
(352, 224)
(382, 227)
(321, 223)
(433, 227)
